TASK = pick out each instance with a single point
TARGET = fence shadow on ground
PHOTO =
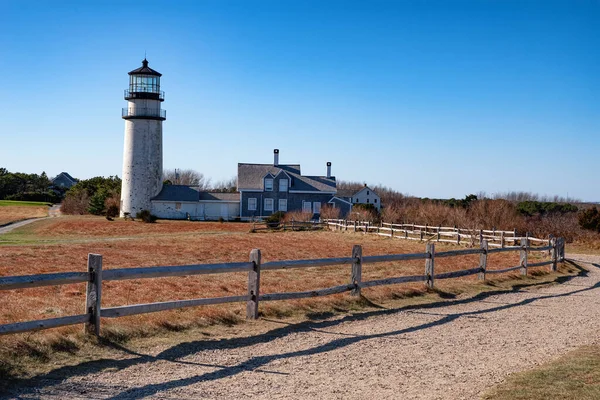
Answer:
(256, 364)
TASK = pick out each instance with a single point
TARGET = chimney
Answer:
(276, 157)
(328, 169)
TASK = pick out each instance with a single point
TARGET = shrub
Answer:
(298, 216)
(330, 212)
(146, 216)
(590, 219)
(274, 219)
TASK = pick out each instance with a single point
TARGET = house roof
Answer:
(250, 177)
(220, 196)
(145, 70)
(178, 193)
(345, 192)
(192, 193)
(65, 175)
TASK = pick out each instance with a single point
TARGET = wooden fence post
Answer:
(554, 253)
(439, 230)
(550, 236)
(421, 234)
(561, 249)
(430, 264)
(458, 236)
(392, 231)
(515, 235)
(483, 260)
(253, 285)
(523, 262)
(502, 239)
(480, 236)
(93, 296)
(354, 225)
(356, 277)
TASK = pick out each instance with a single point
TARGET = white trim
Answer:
(272, 184)
(306, 202)
(286, 174)
(310, 192)
(198, 201)
(279, 208)
(287, 186)
(335, 197)
(315, 207)
(272, 204)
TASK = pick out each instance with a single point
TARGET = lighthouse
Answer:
(142, 153)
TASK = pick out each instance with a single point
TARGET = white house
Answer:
(366, 195)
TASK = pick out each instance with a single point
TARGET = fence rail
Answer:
(429, 233)
(95, 276)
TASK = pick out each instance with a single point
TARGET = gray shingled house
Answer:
(64, 180)
(268, 188)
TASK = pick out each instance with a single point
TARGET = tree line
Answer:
(28, 187)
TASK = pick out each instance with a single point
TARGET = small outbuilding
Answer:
(190, 202)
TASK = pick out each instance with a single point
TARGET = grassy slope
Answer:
(62, 244)
(575, 376)
(16, 211)
(9, 203)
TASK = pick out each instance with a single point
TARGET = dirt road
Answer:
(451, 350)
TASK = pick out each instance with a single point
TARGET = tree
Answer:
(226, 186)
(90, 195)
(186, 177)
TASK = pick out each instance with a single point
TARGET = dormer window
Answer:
(283, 185)
(268, 184)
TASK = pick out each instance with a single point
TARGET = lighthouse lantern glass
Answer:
(144, 83)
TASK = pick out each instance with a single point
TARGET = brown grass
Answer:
(575, 375)
(10, 214)
(183, 242)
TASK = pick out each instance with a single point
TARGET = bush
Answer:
(146, 216)
(274, 219)
(89, 196)
(76, 204)
(590, 219)
(330, 212)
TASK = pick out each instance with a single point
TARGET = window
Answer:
(367, 192)
(306, 206)
(268, 184)
(375, 201)
(317, 207)
(252, 204)
(283, 185)
(367, 201)
(268, 204)
(178, 206)
(282, 204)
(356, 200)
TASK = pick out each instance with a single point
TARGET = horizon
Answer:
(427, 98)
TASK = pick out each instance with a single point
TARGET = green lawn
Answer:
(6, 203)
(575, 376)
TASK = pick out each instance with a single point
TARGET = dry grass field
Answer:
(62, 244)
(13, 213)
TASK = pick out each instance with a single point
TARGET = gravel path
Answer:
(455, 349)
(15, 225)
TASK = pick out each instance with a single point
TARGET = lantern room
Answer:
(144, 83)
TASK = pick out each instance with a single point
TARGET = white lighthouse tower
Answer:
(142, 154)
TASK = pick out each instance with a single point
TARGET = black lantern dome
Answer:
(144, 83)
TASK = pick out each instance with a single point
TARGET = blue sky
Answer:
(431, 98)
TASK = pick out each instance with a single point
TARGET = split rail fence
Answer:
(95, 276)
(429, 233)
